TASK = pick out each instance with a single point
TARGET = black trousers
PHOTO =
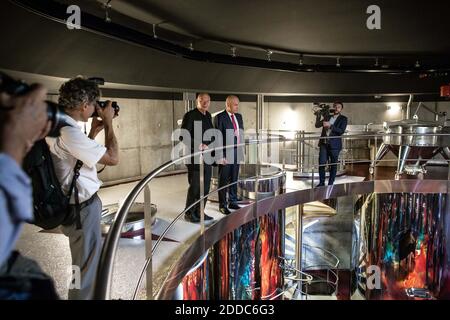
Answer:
(228, 173)
(327, 155)
(193, 193)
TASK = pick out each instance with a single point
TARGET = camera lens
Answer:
(57, 117)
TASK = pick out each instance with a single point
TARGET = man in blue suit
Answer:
(333, 127)
(231, 126)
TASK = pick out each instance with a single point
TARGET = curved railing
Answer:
(105, 269)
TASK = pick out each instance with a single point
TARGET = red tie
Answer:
(236, 132)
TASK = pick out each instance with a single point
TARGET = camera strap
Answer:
(74, 188)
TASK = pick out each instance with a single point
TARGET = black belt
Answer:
(84, 204)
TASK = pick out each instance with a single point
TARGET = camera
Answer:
(54, 113)
(102, 104)
(323, 110)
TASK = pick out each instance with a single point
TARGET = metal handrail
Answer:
(109, 250)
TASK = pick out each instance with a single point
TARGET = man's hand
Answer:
(202, 147)
(222, 161)
(25, 123)
(106, 114)
(326, 124)
(97, 126)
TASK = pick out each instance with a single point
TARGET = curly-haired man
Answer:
(79, 98)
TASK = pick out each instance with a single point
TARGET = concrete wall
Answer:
(299, 116)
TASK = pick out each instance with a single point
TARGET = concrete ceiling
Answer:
(40, 46)
(314, 26)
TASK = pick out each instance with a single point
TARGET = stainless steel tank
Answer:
(414, 143)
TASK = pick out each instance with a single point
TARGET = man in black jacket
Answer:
(330, 148)
(200, 118)
(231, 126)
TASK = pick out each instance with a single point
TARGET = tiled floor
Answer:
(51, 250)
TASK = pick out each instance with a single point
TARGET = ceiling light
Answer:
(233, 52)
(394, 107)
(269, 55)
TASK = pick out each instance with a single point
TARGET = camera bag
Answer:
(50, 205)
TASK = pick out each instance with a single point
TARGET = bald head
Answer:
(232, 104)
(203, 102)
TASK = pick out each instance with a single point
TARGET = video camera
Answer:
(323, 110)
(54, 112)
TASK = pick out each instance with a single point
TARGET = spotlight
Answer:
(269, 55)
(233, 52)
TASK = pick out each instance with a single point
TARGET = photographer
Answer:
(78, 97)
(23, 120)
(333, 126)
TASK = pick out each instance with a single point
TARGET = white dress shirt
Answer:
(70, 146)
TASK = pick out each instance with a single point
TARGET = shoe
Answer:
(208, 218)
(191, 218)
(233, 206)
(195, 218)
(239, 199)
(320, 185)
(224, 210)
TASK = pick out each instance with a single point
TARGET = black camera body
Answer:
(323, 110)
(54, 112)
(102, 104)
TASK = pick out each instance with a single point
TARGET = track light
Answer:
(269, 55)
(233, 52)
(300, 61)
(338, 62)
(417, 65)
(154, 32)
(191, 46)
(107, 6)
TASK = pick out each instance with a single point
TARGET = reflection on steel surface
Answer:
(406, 235)
(245, 262)
(196, 283)
(246, 214)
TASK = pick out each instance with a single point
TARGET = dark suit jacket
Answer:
(337, 129)
(189, 120)
(222, 122)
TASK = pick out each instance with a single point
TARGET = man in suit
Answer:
(230, 124)
(198, 117)
(330, 147)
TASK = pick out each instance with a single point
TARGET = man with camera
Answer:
(333, 125)
(79, 99)
(23, 120)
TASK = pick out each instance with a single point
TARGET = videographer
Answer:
(78, 97)
(333, 126)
